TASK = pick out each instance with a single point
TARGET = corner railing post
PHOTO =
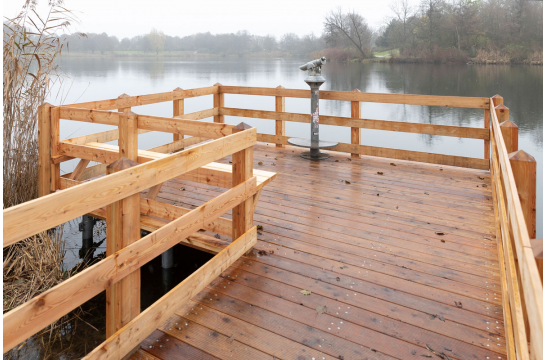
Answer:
(122, 229)
(218, 103)
(242, 171)
(524, 171)
(44, 149)
(509, 129)
(280, 106)
(177, 110)
(355, 133)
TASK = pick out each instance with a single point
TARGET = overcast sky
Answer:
(180, 18)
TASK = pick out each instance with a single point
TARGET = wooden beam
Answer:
(40, 214)
(487, 127)
(28, 318)
(100, 137)
(117, 346)
(355, 132)
(177, 110)
(131, 101)
(92, 116)
(429, 129)
(524, 171)
(219, 103)
(537, 247)
(187, 127)
(280, 106)
(242, 171)
(427, 100)
(78, 171)
(177, 145)
(154, 191)
(198, 115)
(440, 159)
(44, 149)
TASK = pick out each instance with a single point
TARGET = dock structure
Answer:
(373, 253)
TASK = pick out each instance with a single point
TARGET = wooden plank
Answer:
(100, 137)
(133, 333)
(524, 168)
(78, 171)
(356, 122)
(487, 127)
(28, 318)
(280, 106)
(218, 103)
(44, 149)
(177, 110)
(441, 159)
(167, 347)
(199, 115)
(177, 145)
(92, 116)
(55, 138)
(49, 211)
(530, 280)
(428, 100)
(355, 132)
(112, 104)
(186, 127)
(242, 171)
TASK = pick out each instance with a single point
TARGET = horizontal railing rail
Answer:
(522, 288)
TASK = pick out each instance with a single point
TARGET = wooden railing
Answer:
(513, 174)
(105, 198)
(117, 198)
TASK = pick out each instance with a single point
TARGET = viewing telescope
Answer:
(314, 66)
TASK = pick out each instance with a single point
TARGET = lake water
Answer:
(521, 86)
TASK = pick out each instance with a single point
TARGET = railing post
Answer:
(537, 248)
(524, 171)
(355, 133)
(55, 140)
(218, 103)
(177, 110)
(44, 149)
(280, 102)
(122, 229)
(509, 129)
(242, 171)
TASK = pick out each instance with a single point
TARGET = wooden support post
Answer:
(524, 171)
(498, 100)
(44, 149)
(80, 168)
(242, 170)
(218, 103)
(55, 140)
(509, 130)
(280, 106)
(123, 229)
(355, 133)
(177, 110)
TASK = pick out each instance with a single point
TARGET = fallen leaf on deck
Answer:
(230, 162)
(484, 185)
(306, 292)
(275, 158)
(439, 233)
(336, 160)
(458, 304)
(260, 163)
(380, 173)
(393, 164)
(321, 309)
(349, 159)
(480, 178)
(259, 227)
(426, 193)
(232, 338)
(217, 236)
(378, 194)
(413, 352)
(182, 189)
(347, 182)
(338, 278)
(443, 241)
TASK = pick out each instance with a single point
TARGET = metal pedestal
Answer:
(314, 153)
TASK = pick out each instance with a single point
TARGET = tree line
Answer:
(430, 30)
(511, 27)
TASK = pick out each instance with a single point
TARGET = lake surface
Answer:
(521, 87)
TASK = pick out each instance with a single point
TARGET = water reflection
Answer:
(521, 87)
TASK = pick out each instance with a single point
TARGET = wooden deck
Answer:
(402, 254)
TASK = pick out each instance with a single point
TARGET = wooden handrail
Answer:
(525, 291)
(407, 99)
(41, 214)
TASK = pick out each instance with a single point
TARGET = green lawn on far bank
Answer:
(386, 54)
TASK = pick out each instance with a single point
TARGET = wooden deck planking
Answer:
(353, 249)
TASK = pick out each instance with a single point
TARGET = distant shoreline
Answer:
(175, 54)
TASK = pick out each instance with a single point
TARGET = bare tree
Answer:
(350, 26)
(403, 12)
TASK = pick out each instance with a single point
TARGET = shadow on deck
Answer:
(399, 258)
